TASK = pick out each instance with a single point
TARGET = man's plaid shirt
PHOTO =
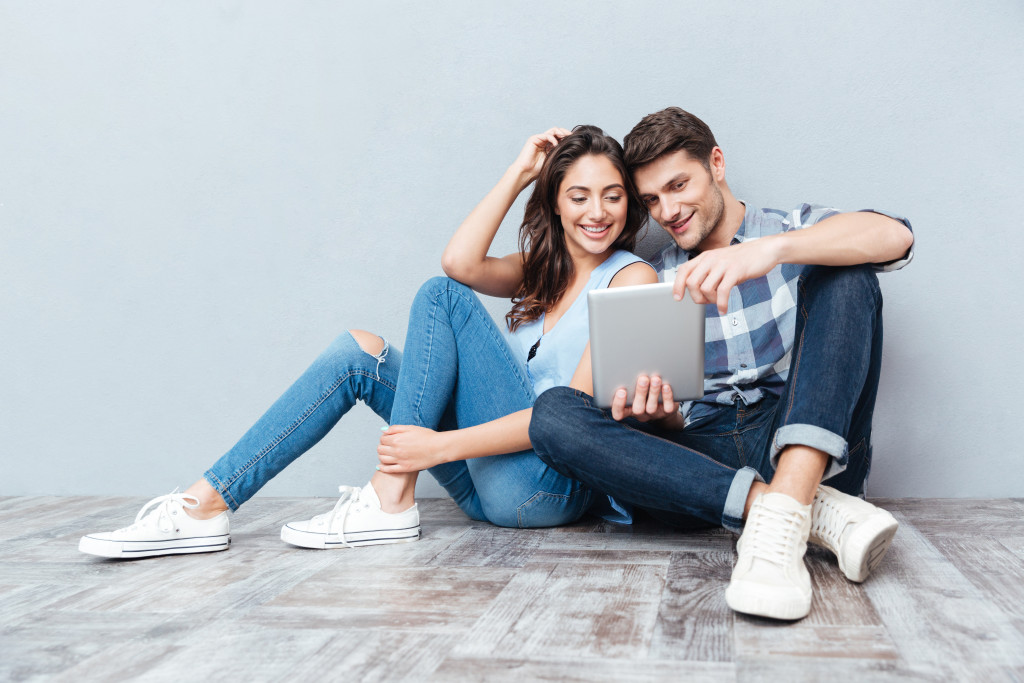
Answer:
(747, 351)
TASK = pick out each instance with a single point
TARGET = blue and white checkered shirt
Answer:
(747, 351)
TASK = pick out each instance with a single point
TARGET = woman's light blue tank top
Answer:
(559, 352)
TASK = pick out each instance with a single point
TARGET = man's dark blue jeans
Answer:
(706, 470)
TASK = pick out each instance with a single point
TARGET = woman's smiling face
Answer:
(592, 205)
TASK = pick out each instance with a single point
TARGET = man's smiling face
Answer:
(682, 196)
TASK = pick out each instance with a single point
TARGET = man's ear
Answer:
(718, 164)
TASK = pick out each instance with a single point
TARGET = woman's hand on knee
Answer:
(406, 448)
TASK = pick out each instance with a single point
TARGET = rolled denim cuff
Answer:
(736, 501)
(214, 482)
(815, 437)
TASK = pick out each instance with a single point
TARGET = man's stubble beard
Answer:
(714, 218)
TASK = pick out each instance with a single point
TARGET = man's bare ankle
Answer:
(801, 496)
(799, 472)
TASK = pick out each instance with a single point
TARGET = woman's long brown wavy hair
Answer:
(547, 266)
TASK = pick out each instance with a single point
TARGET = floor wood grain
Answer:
(473, 602)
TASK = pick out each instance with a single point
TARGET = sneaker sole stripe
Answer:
(352, 533)
(116, 549)
(158, 540)
(174, 547)
(370, 540)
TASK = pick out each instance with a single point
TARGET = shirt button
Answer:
(743, 365)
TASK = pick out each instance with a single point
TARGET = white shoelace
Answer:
(163, 513)
(775, 534)
(828, 522)
(381, 357)
(349, 495)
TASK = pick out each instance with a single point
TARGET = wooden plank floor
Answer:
(471, 602)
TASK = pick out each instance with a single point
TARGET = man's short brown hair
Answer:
(665, 132)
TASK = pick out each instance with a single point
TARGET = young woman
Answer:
(459, 399)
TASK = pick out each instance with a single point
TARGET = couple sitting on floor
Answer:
(502, 416)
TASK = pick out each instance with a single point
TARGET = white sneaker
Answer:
(770, 578)
(165, 530)
(355, 520)
(857, 532)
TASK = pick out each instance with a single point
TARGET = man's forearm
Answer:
(846, 239)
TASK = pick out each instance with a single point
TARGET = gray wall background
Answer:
(197, 197)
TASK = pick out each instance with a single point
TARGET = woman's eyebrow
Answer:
(587, 189)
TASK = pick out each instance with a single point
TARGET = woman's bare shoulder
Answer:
(638, 273)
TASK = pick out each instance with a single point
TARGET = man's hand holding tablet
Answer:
(649, 400)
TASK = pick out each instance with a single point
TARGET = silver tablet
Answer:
(643, 330)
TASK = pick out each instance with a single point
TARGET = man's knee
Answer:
(842, 283)
(550, 420)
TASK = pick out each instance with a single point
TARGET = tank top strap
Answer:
(603, 274)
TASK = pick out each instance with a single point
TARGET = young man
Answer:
(792, 359)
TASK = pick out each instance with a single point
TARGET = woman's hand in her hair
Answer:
(530, 160)
(407, 448)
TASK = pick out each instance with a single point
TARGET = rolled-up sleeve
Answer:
(908, 257)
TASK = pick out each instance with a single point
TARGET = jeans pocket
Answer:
(545, 509)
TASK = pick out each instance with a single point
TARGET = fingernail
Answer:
(377, 468)
(384, 428)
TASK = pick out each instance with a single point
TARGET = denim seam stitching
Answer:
(491, 328)
(502, 345)
(739, 449)
(276, 441)
(796, 363)
(519, 510)
(417, 408)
